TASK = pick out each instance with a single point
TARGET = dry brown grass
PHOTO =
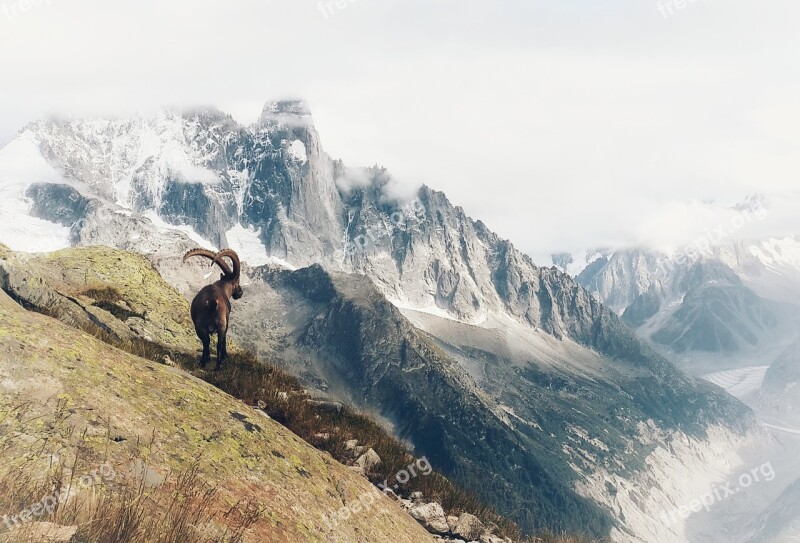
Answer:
(114, 504)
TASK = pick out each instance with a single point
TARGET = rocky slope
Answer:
(72, 401)
(781, 388)
(687, 305)
(779, 523)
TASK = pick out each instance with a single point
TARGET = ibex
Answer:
(212, 305)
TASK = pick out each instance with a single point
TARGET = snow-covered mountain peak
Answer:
(291, 113)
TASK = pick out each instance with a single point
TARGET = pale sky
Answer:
(562, 124)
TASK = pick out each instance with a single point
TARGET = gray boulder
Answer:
(469, 527)
(431, 516)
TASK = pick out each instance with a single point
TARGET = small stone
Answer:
(358, 470)
(389, 493)
(46, 532)
(368, 461)
(452, 521)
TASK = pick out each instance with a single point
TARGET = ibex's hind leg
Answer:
(205, 337)
(222, 348)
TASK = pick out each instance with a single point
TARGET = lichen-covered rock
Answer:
(432, 517)
(368, 461)
(469, 527)
(452, 522)
(41, 532)
(123, 283)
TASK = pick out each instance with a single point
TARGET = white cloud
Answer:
(560, 124)
(353, 178)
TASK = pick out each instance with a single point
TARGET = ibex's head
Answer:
(237, 290)
(228, 276)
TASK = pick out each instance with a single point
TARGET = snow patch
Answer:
(247, 243)
(297, 150)
(436, 311)
(777, 254)
(161, 224)
(739, 382)
(21, 163)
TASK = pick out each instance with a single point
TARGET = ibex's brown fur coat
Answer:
(211, 308)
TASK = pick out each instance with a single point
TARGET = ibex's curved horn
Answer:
(230, 253)
(213, 256)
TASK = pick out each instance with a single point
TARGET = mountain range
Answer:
(526, 385)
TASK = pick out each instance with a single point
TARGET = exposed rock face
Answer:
(781, 387)
(689, 305)
(642, 309)
(202, 170)
(118, 292)
(618, 279)
(432, 517)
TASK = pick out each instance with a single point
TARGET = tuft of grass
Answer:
(111, 300)
(103, 293)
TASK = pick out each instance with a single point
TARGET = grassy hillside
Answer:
(188, 461)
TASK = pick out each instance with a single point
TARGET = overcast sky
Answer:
(561, 123)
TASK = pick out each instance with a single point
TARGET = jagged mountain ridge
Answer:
(160, 185)
(685, 305)
(204, 171)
